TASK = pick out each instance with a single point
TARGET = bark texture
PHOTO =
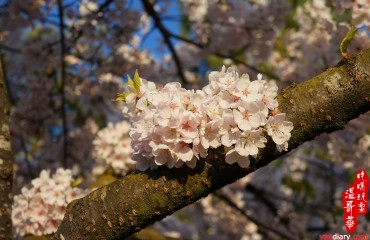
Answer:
(321, 105)
(6, 162)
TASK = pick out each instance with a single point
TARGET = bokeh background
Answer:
(66, 60)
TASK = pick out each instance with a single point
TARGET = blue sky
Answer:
(152, 40)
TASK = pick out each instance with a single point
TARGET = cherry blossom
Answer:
(233, 156)
(279, 129)
(286, 41)
(230, 131)
(249, 143)
(39, 209)
(180, 125)
(249, 115)
(112, 148)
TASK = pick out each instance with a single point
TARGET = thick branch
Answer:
(321, 105)
(6, 162)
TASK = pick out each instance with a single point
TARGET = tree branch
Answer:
(62, 83)
(259, 223)
(103, 6)
(321, 105)
(230, 56)
(6, 162)
(10, 49)
(166, 36)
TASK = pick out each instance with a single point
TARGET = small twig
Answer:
(257, 70)
(225, 56)
(99, 12)
(261, 196)
(249, 217)
(166, 36)
(10, 49)
(62, 83)
(308, 206)
(27, 160)
(186, 40)
(104, 5)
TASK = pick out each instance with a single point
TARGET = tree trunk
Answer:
(321, 105)
(6, 162)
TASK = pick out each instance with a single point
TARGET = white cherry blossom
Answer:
(229, 100)
(249, 91)
(249, 142)
(279, 129)
(112, 148)
(183, 152)
(189, 126)
(209, 134)
(232, 156)
(173, 126)
(39, 209)
(230, 131)
(250, 115)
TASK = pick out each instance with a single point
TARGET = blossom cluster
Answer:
(112, 148)
(39, 210)
(173, 126)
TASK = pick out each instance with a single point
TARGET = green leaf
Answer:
(77, 182)
(122, 96)
(346, 41)
(129, 81)
(133, 85)
(137, 82)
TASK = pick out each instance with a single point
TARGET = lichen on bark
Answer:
(6, 162)
(321, 105)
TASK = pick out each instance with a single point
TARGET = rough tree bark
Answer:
(6, 162)
(321, 105)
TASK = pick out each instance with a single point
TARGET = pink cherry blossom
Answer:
(172, 126)
(233, 156)
(39, 209)
(279, 129)
(249, 143)
(250, 115)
